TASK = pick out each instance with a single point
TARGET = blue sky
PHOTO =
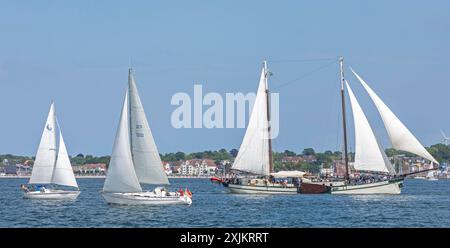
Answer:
(77, 53)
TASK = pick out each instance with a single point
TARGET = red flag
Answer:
(188, 192)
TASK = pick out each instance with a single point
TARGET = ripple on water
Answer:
(422, 204)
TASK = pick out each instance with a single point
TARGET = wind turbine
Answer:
(446, 139)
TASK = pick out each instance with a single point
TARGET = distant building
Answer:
(198, 167)
(167, 168)
(10, 170)
(90, 169)
(327, 171)
(187, 168)
(292, 159)
(5, 162)
(339, 168)
(23, 169)
(309, 158)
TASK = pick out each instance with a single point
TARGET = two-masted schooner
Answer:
(135, 160)
(52, 167)
(369, 154)
(254, 160)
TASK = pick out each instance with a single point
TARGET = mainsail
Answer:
(63, 173)
(46, 154)
(369, 155)
(146, 159)
(121, 177)
(253, 155)
(401, 138)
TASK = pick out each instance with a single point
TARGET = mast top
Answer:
(130, 74)
(341, 64)
(266, 74)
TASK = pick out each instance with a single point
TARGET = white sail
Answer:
(46, 155)
(253, 155)
(401, 138)
(147, 162)
(121, 177)
(63, 172)
(369, 155)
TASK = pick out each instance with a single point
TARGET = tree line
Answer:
(439, 151)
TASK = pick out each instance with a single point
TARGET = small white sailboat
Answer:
(431, 175)
(255, 153)
(51, 170)
(135, 160)
(369, 154)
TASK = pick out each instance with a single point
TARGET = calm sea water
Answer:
(422, 204)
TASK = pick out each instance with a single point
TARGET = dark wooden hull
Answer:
(312, 188)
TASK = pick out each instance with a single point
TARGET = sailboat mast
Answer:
(266, 75)
(130, 75)
(344, 122)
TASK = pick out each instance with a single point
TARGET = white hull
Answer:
(385, 187)
(247, 189)
(52, 195)
(423, 178)
(145, 198)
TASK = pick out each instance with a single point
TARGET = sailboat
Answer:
(135, 160)
(369, 154)
(255, 153)
(51, 170)
(431, 176)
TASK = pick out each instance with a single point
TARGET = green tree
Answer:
(234, 152)
(289, 153)
(180, 156)
(308, 151)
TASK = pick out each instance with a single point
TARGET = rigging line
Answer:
(338, 133)
(305, 75)
(299, 60)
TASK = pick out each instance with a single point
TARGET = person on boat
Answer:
(272, 179)
(297, 181)
(24, 188)
(165, 192)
